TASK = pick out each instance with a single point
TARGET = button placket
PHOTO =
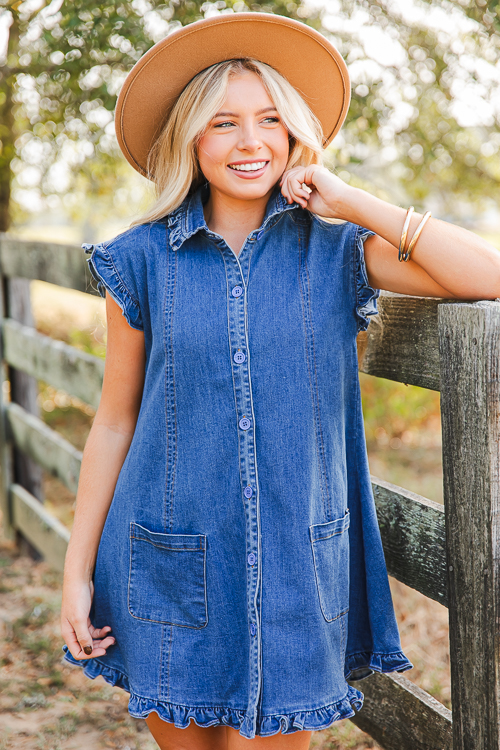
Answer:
(240, 364)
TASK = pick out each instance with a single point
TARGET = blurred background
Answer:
(423, 129)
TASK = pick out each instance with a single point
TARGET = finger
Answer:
(74, 647)
(98, 647)
(105, 642)
(99, 632)
(292, 173)
(285, 192)
(300, 196)
(83, 636)
(287, 188)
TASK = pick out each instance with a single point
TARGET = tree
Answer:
(66, 61)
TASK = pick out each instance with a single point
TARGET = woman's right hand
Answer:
(83, 640)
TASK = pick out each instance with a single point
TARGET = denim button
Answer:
(253, 629)
(239, 357)
(248, 491)
(237, 291)
(251, 558)
(244, 423)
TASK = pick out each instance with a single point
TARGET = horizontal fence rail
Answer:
(402, 342)
(44, 445)
(414, 538)
(399, 715)
(63, 265)
(58, 364)
(41, 528)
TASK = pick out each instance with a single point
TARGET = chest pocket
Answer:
(167, 577)
(330, 548)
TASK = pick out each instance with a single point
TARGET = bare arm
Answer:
(103, 457)
(447, 261)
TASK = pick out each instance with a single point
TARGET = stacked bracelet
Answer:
(415, 237)
(402, 241)
(405, 255)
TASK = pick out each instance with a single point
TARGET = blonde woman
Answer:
(225, 566)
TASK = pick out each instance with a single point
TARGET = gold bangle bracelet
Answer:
(417, 234)
(402, 241)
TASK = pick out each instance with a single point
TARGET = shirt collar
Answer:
(188, 218)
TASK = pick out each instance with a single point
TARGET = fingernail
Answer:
(87, 650)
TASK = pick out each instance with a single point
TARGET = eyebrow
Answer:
(232, 114)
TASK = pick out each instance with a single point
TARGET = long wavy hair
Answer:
(173, 163)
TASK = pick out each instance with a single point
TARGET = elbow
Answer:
(494, 285)
(485, 288)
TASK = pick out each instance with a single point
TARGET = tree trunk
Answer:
(7, 133)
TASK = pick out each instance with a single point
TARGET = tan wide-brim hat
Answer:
(302, 55)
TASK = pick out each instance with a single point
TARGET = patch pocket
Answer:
(330, 547)
(167, 577)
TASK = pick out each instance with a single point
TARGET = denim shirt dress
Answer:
(240, 566)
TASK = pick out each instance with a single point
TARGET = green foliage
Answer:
(395, 411)
(65, 66)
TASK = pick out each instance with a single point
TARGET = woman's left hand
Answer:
(327, 195)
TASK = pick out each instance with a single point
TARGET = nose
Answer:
(249, 140)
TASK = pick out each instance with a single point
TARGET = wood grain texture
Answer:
(414, 539)
(43, 530)
(401, 716)
(470, 407)
(54, 362)
(6, 452)
(23, 387)
(401, 342)
(63, 265)
(45, 446)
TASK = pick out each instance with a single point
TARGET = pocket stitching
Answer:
(315, 563)
(202, 548)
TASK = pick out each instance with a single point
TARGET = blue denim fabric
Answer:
(240, 565)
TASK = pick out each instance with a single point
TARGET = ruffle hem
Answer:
(361, 665)
(207, 716)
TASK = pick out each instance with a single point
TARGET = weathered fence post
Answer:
(6, 452)
(24, 387)
(24, 391)
(469, 341)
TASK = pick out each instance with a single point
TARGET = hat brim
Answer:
(302, 55)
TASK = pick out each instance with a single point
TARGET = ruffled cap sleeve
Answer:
(112, 275)
(366, 295)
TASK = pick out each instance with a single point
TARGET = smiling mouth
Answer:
(251, 167)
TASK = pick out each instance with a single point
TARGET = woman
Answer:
(225, 564)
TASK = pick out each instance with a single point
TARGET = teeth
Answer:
(248, 167)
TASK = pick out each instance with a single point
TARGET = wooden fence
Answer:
(450, 554)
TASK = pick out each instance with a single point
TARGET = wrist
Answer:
(351, 207)
(77, 569)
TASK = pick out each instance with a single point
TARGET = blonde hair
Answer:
(173, 163)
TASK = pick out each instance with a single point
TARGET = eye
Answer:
(222, 124)
(272, 119)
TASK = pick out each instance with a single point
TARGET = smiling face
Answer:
(244, 150)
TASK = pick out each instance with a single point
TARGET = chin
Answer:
(250, 192)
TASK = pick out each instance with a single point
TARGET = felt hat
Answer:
(299, 53)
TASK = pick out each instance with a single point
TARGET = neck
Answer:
(228, 216)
